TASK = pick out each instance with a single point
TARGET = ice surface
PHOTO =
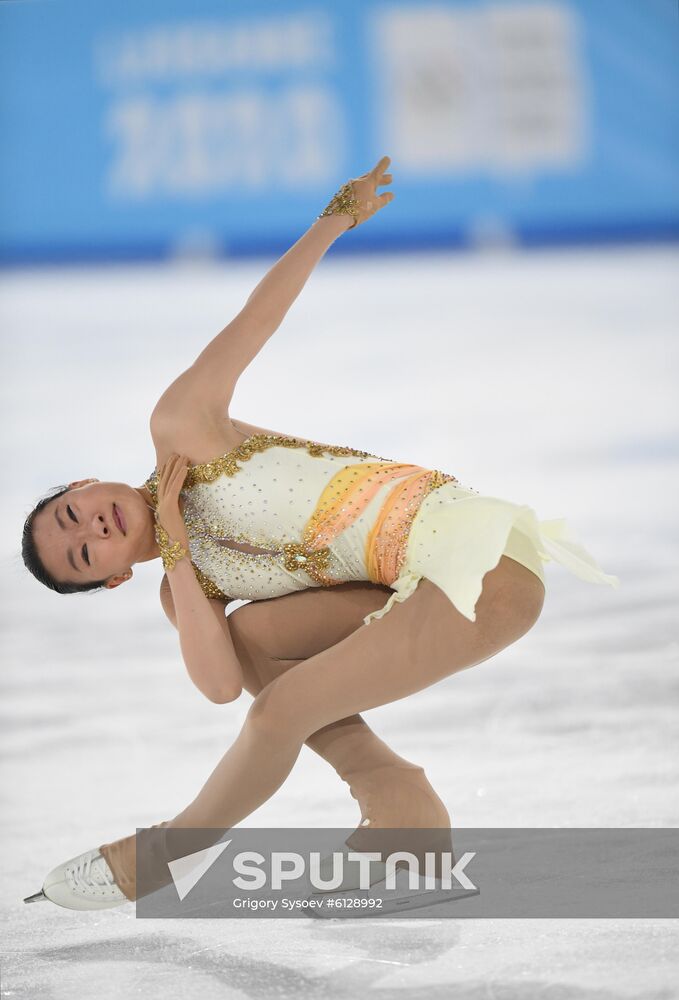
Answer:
(549, 379)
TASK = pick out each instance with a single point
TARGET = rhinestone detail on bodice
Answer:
(214, 533)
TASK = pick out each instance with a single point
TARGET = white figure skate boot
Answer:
(82, 883)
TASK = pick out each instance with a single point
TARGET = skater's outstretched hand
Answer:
(366, 194)
(359, 197)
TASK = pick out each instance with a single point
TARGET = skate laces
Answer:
(90, 873)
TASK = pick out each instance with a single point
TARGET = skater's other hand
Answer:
(170, 481)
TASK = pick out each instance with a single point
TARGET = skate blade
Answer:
(37, 897)
(378, 901)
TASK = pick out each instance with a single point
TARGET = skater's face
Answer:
(95, 531)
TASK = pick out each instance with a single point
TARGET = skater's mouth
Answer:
(119, 519)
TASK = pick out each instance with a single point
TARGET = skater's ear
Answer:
(115, 581)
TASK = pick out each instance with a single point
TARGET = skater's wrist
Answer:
(172, 550)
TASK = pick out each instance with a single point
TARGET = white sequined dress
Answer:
(277, 514)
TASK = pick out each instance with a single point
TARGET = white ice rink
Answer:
(549, 379)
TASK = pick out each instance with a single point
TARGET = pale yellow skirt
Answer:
(459, 535)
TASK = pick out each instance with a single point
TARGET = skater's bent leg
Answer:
(390, 790)
(420, 642)
(271, 637)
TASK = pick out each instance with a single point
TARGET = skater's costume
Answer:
(319, 515)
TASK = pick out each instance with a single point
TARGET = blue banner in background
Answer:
(149, 128)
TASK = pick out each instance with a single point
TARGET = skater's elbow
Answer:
(211, 662)
(221, 686)
(224, 695)
(216, 683)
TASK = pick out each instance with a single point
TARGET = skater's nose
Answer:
(101, 527)
(93, 527)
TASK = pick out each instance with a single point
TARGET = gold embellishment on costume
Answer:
(438, 479)
(296, 557)
(227, 464)
(343, 203)
(209, 588)
(170, 552)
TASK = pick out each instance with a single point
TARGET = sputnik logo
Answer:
(189, 870)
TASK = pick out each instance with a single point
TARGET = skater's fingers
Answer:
(381, 166)
(174, 465)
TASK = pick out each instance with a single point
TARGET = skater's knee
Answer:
(273, 713)
(510, 604)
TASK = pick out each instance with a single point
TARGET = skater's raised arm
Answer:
(208, 385)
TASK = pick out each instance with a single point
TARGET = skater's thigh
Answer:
(299, 625)
(417, 643)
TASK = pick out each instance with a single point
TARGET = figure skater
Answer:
(239, 512)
